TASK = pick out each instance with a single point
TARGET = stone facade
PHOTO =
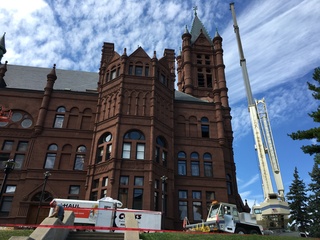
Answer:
(131, 135)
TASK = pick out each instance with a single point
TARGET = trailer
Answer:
(85, 211)
(107, 212)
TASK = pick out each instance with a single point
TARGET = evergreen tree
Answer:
(313, 133)
(314, 199)
(297, 200)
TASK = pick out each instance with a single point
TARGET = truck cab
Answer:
(224, 217)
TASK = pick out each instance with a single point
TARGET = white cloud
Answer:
(253, 180)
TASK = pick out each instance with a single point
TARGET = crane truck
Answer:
(224, 217)
(273, 212)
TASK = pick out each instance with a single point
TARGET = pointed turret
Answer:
(3, 70)
(51, 78)
(2, 47)
(52, 75)
(217, 34)
(197, 28)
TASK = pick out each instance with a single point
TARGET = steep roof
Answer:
(181, 96)
(197, 28)
(35, 78)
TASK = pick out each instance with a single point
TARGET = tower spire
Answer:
(2, 46)
(195, 8)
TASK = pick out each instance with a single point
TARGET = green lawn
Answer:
(209, 236)
(6, 234)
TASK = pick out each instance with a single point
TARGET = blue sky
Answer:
(280, 41)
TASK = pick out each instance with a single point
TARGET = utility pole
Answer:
(46, 176)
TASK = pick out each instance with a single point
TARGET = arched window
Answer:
(182, 163)
(194, 156)
(134, 135)
(51, 156)
(195, 168)
(80, 156)
(207, 164)
(204, 127)
(59, 118)
(133, 145)
(207, 157)
(104, 147)
(182, 155)
(195, 164)
(161, 150)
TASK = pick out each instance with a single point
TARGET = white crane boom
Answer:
(261, 150)
(271, 149)
(274, 211)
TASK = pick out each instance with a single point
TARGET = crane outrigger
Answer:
(273, 212)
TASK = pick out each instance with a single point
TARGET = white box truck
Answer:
(107, 213)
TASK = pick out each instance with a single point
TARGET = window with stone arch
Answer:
(133, 146)
(182, 163)
(104, 149)
(204, 127)
(161, 151)
(195, 164)
(207, 165)
(51, 156)
(80, 157)
(59, 117)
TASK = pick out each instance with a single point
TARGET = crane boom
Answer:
(264, 169)
(274, 211)
(271, 149)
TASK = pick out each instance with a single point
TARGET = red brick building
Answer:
(126, 132)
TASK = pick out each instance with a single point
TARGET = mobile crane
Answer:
(273, 212)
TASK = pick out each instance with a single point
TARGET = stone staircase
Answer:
(80, 235)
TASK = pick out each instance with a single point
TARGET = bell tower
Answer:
(200, 64)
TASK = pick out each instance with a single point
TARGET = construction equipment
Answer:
(224, 217)
(274, 210)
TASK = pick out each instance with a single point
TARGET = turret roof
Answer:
(2, 43)
(197, 28)
(2, 46)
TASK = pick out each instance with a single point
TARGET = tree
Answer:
(313, 133)
(314, 199)
(297, 199)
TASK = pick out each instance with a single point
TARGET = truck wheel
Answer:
(253, 231)
(240, 231)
